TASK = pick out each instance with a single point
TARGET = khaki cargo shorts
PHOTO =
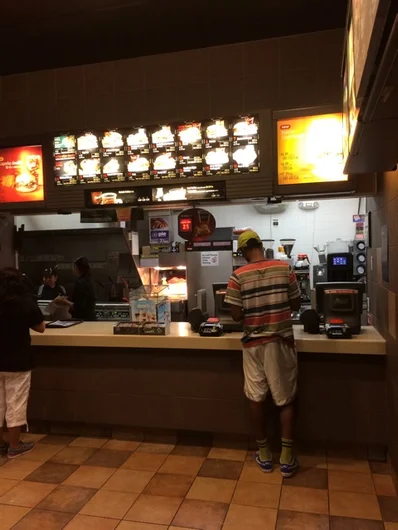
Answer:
(14, 394)
(271, 366)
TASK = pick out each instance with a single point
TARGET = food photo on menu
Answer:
(138, 166)
(163, 136)
(246, 127)
(112, 144)
(21, 174)
(65, 166)
(216, 129)
(105, 198)
(87, 143)
(245, 145)
(217, 161)
(138, 140)
(113, 169)
(89, 168)
(190, 150)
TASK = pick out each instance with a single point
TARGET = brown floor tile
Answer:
(30, 437)
(351, 482)
(67, 499)
(347, 450)
(249, 517)
(10, 515)
(162, 449)
(144, 462)
(306, 500)
(73, 455)
(52, 473)
(201, 515)
(128, 481)
(384, 485)
(226, 469)
(355, 505)
(182, 465)
(18, 469)
(212, 489)
(27, 494)
(318, 461)
(3, 460)
(389, 508)
(154, 509)
(6, 484)
(191, 450)
(347, 523)
(95, 443)
(105, 458)
(301, 521)
(129, 525)
(109, 504)
(309, 477)
(57, 439)
(121, 445)
(169, 485)
(256, 494)
(238, 455)
(252, 473)
(381, 468)
(85, 522)
(391, 526)
(347, 464)
(89, 477)
(43, 520)
(176, 528)
(42, 452)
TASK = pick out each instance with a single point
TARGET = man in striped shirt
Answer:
(262, 294)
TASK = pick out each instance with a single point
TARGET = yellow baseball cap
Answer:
(246, 236)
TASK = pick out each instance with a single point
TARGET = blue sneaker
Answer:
(288, 470)
(22, 449)
(265, 465)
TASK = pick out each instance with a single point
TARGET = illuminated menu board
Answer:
(164, 152)
(89, 162)
(21, 174)
(245, 155)
(217, 147)
(190, 150)
(65, 161)
(138, 154)
(113, 161)
(310, 149)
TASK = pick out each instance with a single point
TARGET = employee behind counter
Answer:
(82, 304)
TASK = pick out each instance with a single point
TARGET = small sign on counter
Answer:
(209, 259)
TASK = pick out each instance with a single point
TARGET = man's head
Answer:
(250, 245)
(50, 277)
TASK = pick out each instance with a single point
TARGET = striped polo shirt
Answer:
(263, 290)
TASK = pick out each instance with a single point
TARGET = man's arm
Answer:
(233, 298)
(236, 313)
(294, 293)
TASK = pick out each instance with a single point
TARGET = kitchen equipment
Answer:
(321, 254)
(338, 330)
(211, 328)
(359, 259)
(340, 267)
(342, 301)
(319, 273)
(288, 245)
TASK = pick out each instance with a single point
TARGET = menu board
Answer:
(89, 162)
(216, 136)
(113, 162)
(65, 161)
(21, 174)
(197, 192)
(138, 154)
(245, 154)
(310, 149)
(164, 152)
(111, 197)
(190, 150)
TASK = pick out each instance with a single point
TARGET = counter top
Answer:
(100, 335)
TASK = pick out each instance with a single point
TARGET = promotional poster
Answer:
(21, 174)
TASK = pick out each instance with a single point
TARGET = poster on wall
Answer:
(21, 174)
(65, 159)
(310, 149)
(89, 162)
(164, 152)
(190, 150)
(245, 153)
(196, 224)
(138, 154)
(113, 162)
(216, 147)
(159, 229)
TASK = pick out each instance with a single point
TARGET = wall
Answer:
(383, 294)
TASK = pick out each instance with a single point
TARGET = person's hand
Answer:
(62, 300)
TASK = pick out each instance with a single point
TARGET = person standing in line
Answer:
(262, 294)
(18, 314)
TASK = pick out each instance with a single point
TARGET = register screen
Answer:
(339, 261)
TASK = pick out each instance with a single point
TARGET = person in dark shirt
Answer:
(18, 314)
(82, 305)
(50, 289)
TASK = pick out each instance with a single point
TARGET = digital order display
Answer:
(138, 154)
(89, 161)
(185, 224)
(339, 261)
(164, 152)
(217, 147)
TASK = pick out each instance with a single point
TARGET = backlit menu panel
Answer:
(65, 159)
(217, 147)
(89, 162)
(138, 154)
(190, 150)
(245, 155)
(113, 159)
(164, 152)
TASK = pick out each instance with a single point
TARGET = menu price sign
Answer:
(65, 163)
(245, 154)
(190, 150)
(88, 152)
(164, 152)
(138, 156)
(111, 198)
(310, 149)
(216, 148)
(198, 192)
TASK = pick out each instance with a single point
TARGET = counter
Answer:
(100, 335)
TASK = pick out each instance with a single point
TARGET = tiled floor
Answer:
(100, 484)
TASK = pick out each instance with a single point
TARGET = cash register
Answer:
(223, 310)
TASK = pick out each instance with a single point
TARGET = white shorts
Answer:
(14, 394)
(270, 366)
